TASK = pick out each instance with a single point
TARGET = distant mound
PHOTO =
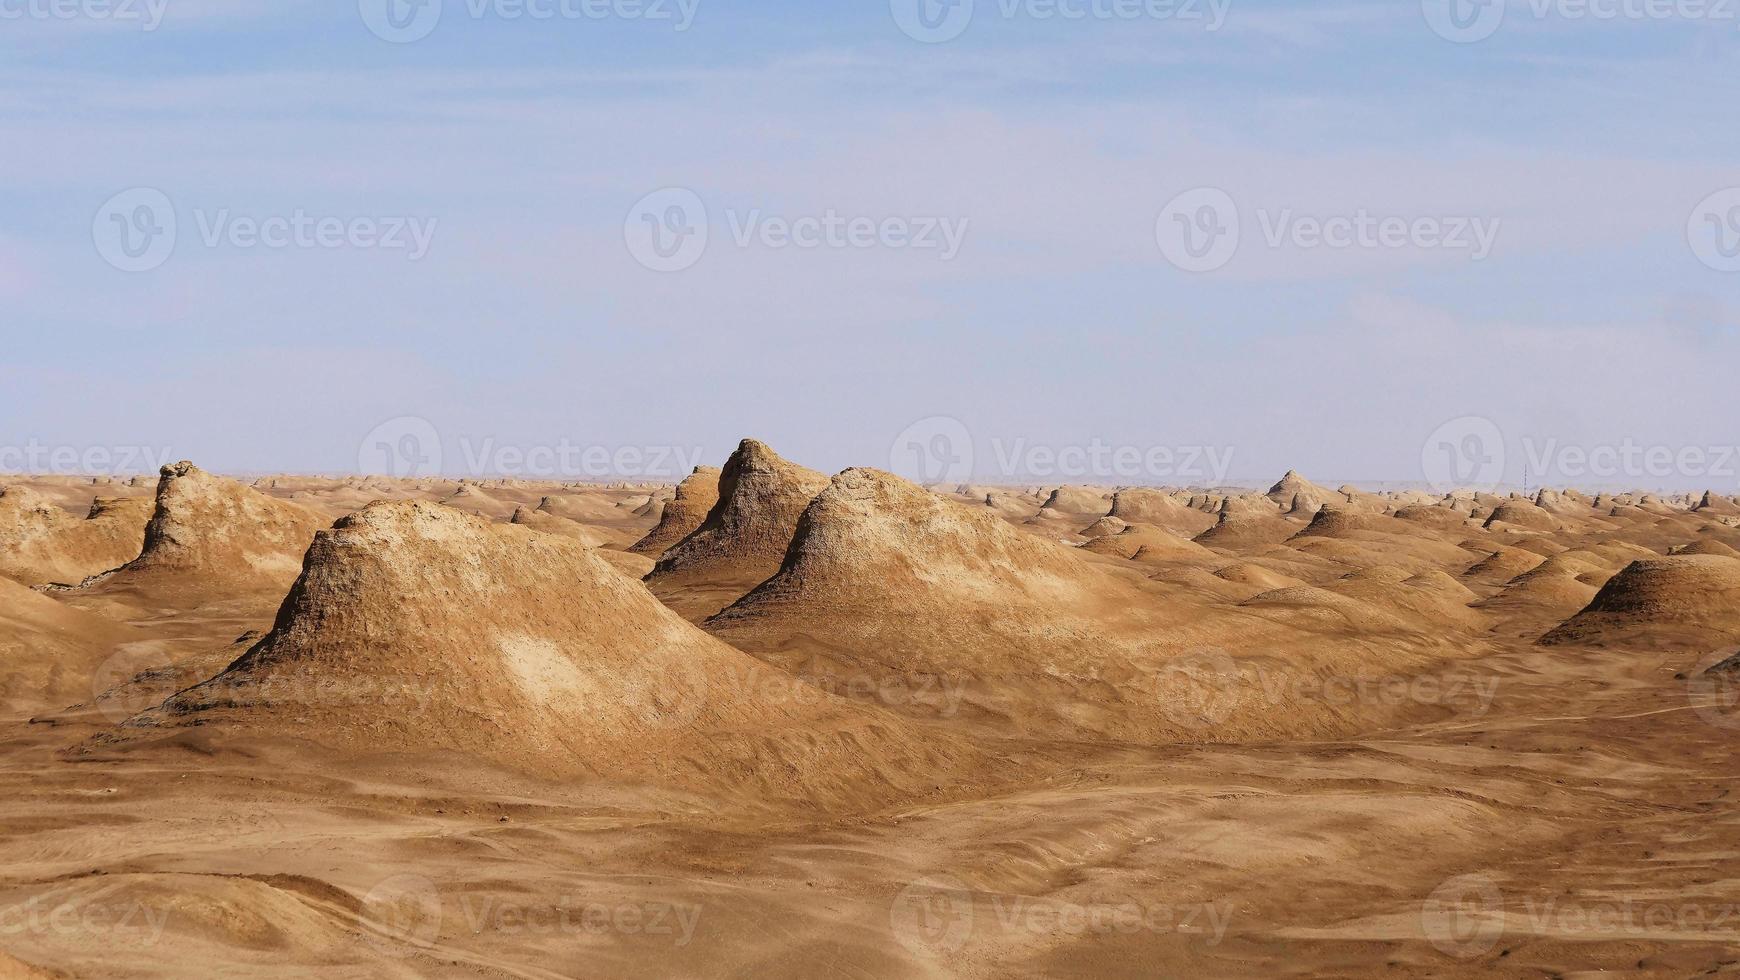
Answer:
(1708, 547)
(548, 523)
(1139, 506)
(1549, 592)
(1257, 577)
(954, 614)
(907, 589)
(1444, 585)
(1077, 501)
(1147, 543)
(1433, 516)
(1332, 521)
(1429, 598)
(1296, 494)
(40, 543)
(473, 499)
(1103, 527)
(1522, 513)
(209, 531)
(1504, 564)
(1713, 504)
(1691, 600)
(414, 628)
(1244, 532)
(1330, 611)
(744, 537)
(683, 513)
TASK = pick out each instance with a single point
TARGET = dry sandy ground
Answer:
(1323, 740)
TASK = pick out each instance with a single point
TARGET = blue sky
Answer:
(1054, 147)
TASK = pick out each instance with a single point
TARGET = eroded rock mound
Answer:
(1523, 514)
(416, 628)
(908, 592)
(744, 536)
(1076, 501)
(683, 513)
(209, 529)
(1688, 600)
(41, 543)
(1298, 495)
(1139, 506)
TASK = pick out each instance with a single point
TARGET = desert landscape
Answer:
(985, 489)
(769, 722)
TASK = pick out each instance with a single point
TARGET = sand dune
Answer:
(49, 652)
